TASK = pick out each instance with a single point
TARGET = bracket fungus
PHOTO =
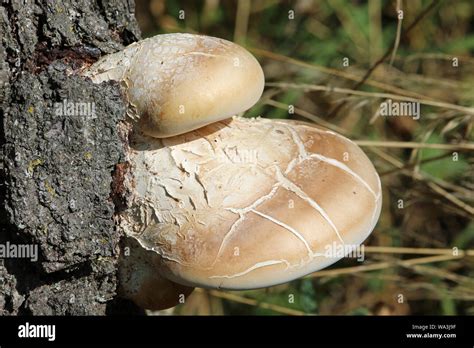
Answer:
(222, 202)
(180, 82)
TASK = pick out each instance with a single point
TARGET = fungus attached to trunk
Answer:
(249, 203)
(180, 82)
(227, 203)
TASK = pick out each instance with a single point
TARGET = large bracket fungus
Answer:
(226, 202)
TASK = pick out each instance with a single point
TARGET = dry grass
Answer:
(411, 250)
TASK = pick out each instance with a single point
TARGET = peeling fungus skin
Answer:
(248, 203)
(180, 82)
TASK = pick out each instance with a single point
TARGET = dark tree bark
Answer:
(56, 171)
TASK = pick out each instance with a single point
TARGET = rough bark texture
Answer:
(56, 171)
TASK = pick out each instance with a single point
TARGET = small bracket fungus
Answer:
(180, 82)
(227, 203)
(141, 283)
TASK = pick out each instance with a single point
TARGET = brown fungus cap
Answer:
(249, 203)
(179, 82)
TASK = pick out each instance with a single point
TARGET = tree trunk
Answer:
(59, 149)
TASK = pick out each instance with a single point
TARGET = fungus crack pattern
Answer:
(282, 181)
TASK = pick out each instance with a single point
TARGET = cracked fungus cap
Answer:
(180, 82)
(249, 203)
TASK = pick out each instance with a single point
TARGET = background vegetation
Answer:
(426, 165)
